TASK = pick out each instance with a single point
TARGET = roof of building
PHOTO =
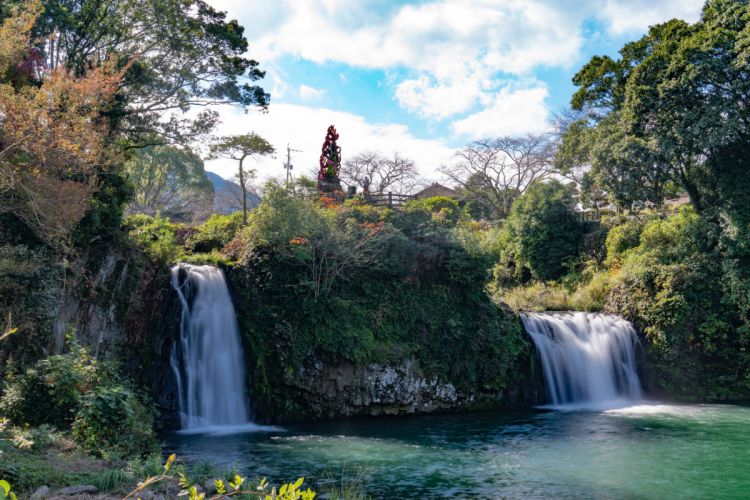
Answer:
(437, 189)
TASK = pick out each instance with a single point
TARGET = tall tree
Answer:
(171, 181)
(53, 138)
(675, 99)
(496, 171)
(239, 148)
(380, 173)
(181, 54)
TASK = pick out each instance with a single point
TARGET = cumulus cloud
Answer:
(512, 112)
(457, 61)
(304, 128)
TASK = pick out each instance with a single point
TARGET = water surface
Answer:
(646, 451)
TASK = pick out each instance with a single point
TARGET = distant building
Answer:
(436, 189)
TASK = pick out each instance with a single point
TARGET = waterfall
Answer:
(207, 358)
(588, 359)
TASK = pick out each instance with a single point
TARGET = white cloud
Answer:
(304, 128)
(308, 93)
(512, 112)
(457, 53)
(635, 16)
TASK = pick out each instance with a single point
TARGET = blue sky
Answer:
(423, 77)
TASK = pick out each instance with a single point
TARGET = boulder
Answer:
(40, 493)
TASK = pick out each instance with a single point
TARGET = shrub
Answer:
(50, 391)
(217, 231)
(155, 235)
(442, 208)
(113, 421)
(621, 238)
(543, 232)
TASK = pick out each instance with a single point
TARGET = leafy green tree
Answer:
(543, 231)
(239, 148)
(171, 181)
(181, 54)
(674, 101)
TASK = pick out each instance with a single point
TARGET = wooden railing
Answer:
(388, 199)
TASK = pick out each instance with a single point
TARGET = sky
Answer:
(422, 78)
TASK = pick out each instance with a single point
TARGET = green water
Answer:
(649, 451)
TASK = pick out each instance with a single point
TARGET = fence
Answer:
(388, 199)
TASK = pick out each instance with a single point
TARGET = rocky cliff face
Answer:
(122, 308)
(125, 309)
(339, 388)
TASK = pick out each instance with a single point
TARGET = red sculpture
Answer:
(330, 163)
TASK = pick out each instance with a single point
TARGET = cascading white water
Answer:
(207, 359)
(587, 358)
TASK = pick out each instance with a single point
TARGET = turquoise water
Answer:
(647, 451)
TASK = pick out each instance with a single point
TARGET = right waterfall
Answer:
(587, 358)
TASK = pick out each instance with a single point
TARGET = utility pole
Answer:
(288, 165)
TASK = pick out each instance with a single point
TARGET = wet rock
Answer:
(78, 490)
(40, 493)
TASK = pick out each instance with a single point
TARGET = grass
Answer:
(32, 457)
(344, 486)
(588, 296)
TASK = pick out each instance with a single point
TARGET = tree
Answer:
(53, 137)
(380, 173)
(179, 54)
(543, 231)
(239, 148)
(495, 171)
(171, 181)
(325, 243)
(675, 99)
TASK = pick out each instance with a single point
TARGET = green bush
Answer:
(621, 238)
(543, 233)
(155, 235)
(217, 231)
(50, 391)
(442, 208)
(112, 421)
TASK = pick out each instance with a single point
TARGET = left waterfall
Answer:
(207, 359)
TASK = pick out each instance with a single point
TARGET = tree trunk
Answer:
(243, 188)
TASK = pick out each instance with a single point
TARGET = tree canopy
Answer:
(170, 181)
(178, 54)
(675, 101)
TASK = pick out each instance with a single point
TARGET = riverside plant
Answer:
(233, 488)
(5, 491)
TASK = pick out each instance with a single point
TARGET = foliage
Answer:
(240, 148)
(394, 285)
(442, 208)
(214, 233)
(155, 235)
(543, 233)
(50, 391)
(5, 491)
(668, 109)
(169, 181)
(30, 287)
(621, 238)
(111, 420)
(106, 416)
(53, 136)
(237, 486)
(177, 54)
